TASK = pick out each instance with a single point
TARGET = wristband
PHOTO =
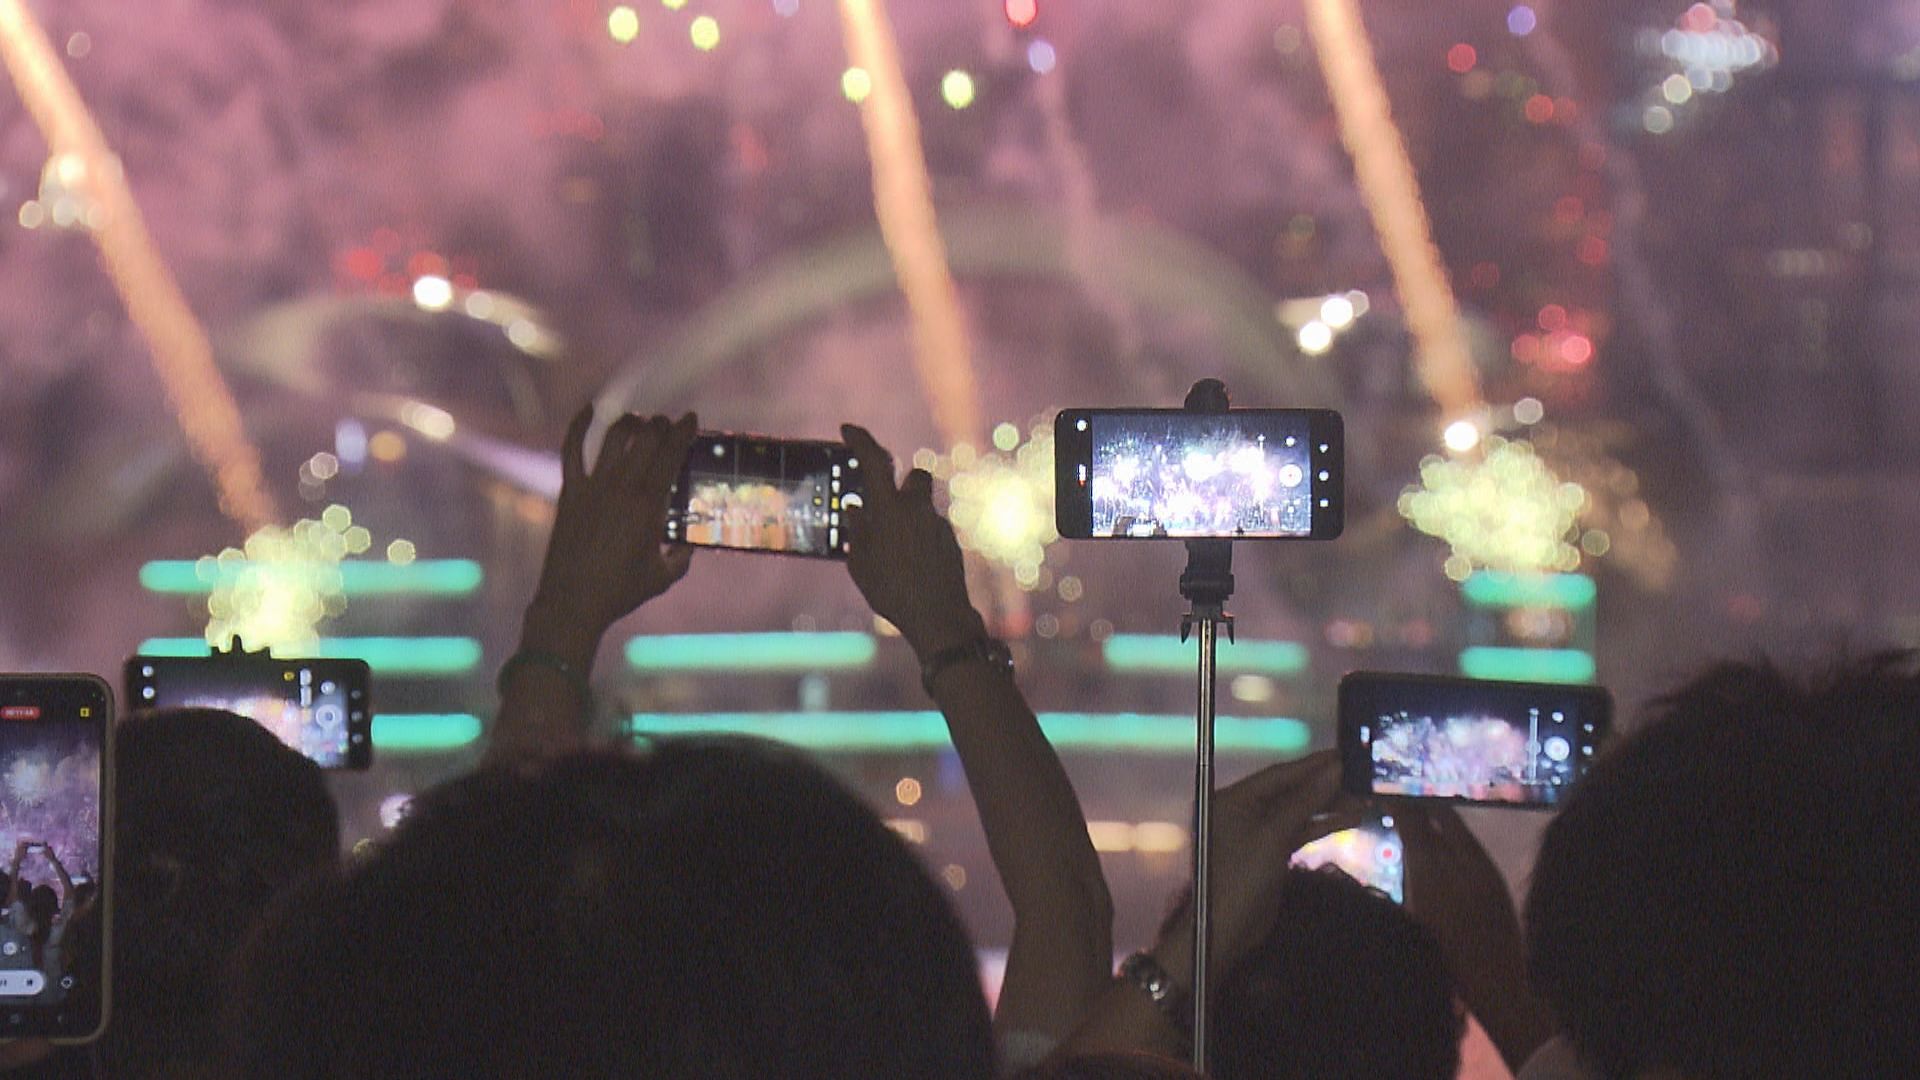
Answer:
(1147, 976)
(546, 660)
(986, 650)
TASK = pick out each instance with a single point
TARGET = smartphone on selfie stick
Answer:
(1207, 474)
(56, 755)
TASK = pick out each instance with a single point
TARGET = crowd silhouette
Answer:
(1727, 894)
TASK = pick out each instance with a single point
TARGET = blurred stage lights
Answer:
(431, 292)
(1002, 503)
(956, 87)
(1461, 436)
(1041, 56)
(1021, 13)
(1315, 337)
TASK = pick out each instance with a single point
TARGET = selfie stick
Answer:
(1206, 583)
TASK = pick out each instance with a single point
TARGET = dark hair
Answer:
(215, 817)
(1110, 1066)
(705, 909)
(1730, 891)
(1346, 984)
(43, 904)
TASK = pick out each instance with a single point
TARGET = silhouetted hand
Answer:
(606, 556)
(904, 557)
(1258, 823)
(1455, 889)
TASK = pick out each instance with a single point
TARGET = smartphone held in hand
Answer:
(749, 493)
(1467, 740)
(321, 708)
(1243, 474)
(56, 829)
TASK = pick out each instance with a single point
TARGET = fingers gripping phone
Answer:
(749, 493)
(1468, 740)
(1243, 474)
(56, 833)
(321, 708)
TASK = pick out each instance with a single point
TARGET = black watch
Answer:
(990, 651)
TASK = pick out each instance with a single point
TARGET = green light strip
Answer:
(1165, 654)
(385, 655)
(425, 577)
(1527, 665)
(423, 733)
(926, 730)
(777, 652)
(1570, 592)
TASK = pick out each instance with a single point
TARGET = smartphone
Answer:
(56, 835)
(1468, 740)
(748, 493)
(1244, 474)
(1369, 853)
(321, 708)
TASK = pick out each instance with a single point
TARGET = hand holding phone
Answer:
(1243, 474)
(605, 556)
(1467, 740)
(906, 560)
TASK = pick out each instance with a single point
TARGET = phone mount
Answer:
(1206, 584)
(237, 650)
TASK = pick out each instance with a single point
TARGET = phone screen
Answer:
(321, 708)
(1465, 740)
(1369, 854)
(752, 494)
(1246, 474)
(55, 771)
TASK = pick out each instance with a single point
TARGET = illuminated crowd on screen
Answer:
(1225, 483)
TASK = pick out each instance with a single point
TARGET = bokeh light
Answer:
(623, 24)
(856, 84)
(1506, 510)
(1521, 20)
(1021, 13)
(705, 32)
(1001, 504)
(275, 590)
(956, 87)
(1041, 56)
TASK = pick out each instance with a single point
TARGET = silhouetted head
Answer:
(704, 909)
(1730, 891)
(215, 818)
(1346, 984)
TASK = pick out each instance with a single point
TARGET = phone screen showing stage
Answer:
(754, 494)
(1518, 744)
(1256, 474)
(53, 770)
(1369, 854)
(318, 707)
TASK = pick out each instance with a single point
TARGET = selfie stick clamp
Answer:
(1206, 583)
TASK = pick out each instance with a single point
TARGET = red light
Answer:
(1539, 108)
(1021, 13)
(1553, 317)
(1576, 349)
(1461, 58)
(19, 712)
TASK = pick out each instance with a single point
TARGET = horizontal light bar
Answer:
(927, 730)
(424, 577)
(416, 733)
(1527, 665)
(776, 652)
(1570, 592)
(1166, 654)
(385, 655)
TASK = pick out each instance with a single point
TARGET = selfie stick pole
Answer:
(1206, 583)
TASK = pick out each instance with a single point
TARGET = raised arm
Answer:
(1259, 822)
(605, 558)
(908, 565)
(1456, 890)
